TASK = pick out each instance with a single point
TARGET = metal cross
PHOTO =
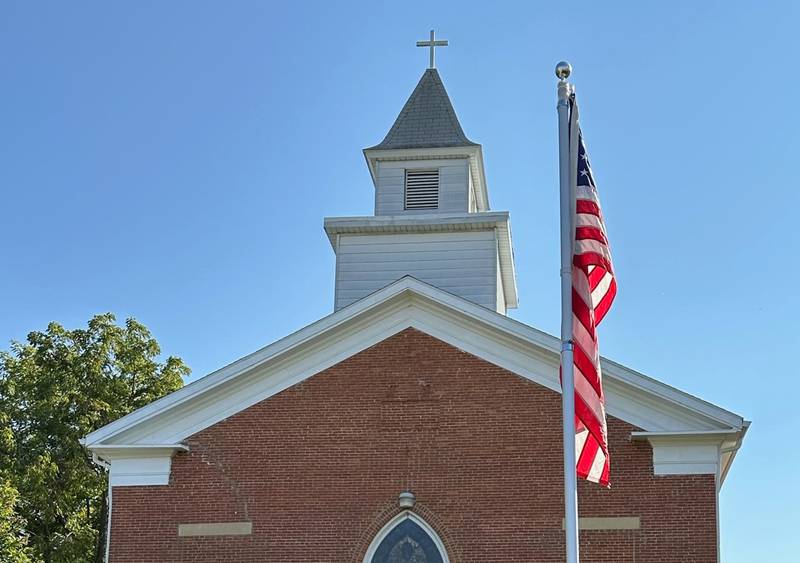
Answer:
(432, 43)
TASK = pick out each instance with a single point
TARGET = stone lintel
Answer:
(607, 523)
(216, 529)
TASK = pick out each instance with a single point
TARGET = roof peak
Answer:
(427, 119)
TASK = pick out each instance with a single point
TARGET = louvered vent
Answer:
(422, 189)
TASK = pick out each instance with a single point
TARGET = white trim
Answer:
(696, 435)
(107, 555)
(386, 530)
(631, 396)
(689, 453)
(728, 452)
(717, 487)
(416, 222)
(140, 471)
(244, 365)
(136, 464)
(109, 452)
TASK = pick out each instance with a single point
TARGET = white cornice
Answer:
(698, 436)
(521, 349)
(699, 451)
(427, 222)
(110, 452)
(136, 464)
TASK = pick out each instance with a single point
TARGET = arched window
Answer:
(406, 539)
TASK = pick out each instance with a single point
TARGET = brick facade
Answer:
(317, 470)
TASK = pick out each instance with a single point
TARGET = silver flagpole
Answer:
(563, 70)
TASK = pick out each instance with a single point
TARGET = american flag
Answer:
(593, 291)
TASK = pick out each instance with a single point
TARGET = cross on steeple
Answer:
(432, 43)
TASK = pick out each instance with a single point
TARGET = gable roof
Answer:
(658, 409)
(428, 119)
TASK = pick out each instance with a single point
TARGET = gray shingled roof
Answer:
(427, 120)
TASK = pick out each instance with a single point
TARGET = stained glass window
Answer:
(407, 543)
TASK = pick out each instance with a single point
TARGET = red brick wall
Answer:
(318, 468)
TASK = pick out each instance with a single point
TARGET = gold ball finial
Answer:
(563, 70)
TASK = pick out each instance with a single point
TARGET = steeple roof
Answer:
(428, 119)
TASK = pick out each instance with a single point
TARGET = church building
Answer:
(417, 422)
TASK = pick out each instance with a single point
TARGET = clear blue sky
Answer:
(173, 161)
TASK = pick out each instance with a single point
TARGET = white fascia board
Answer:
(405, 303)
(276, 375)
(109, 452)
(412, 223)
(136, 465)
(479, 171)
(508, 271)
(660, 390)
(729, 451)
(682, 436)
(437, 222)
(626, 379)
(646, 406)
(140, 471)
(698, 452)
(244, 364)
(473, 152)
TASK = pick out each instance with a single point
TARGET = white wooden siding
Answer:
(501, 295)
(454, 182)
(472, 201)
(462, 263)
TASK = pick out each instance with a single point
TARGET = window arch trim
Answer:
(394, 522)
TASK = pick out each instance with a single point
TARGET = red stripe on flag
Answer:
(582, 312)
(588, 369)
(593, 425)
(604, 304)
(586, 206)
(595, 276)
(591, 259)
(586, 458)
(583, 233)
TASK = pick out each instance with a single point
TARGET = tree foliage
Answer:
(55, 388)
(13, 539)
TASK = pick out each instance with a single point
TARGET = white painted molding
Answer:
(431, 222)
(530, 353)
(691, 452)
(386, 530)
(678, 459)
(138, 465)
(110, 452)
(140, 471)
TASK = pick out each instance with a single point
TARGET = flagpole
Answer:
(563, 70)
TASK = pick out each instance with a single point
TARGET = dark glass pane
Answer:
(407, 543)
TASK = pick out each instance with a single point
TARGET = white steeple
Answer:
(432, 219)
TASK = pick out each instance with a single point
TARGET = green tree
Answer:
(55, 388)
(13, 539)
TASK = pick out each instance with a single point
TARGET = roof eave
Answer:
(476, 316)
